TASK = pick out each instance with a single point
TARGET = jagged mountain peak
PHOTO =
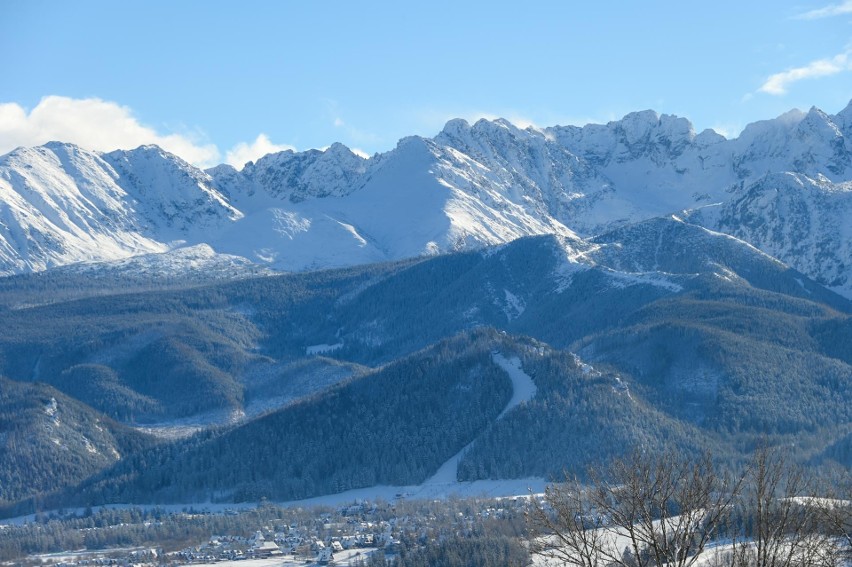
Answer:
(60, 204)
(53, 148)
(811, 143)
(454, 126)
(150, 157)
(708, 137)
(817, 123)
(661, 138)
(844, 118)
(460, 134)
(292, 176)
(409, 150)
(340, 149)
(636, 126)
(59, 146)
(497, 125)
(772, 128)
(414, 144)
(158, 157)
(175, 198)
(221, 169)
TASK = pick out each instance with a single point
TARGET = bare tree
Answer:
(567, 528)
(642, 512)
(781, 517)
(837, 515)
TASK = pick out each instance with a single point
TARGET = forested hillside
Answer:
(50, 441)
(659, 334)
(395, 426)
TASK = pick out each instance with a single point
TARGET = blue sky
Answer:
(216, 81)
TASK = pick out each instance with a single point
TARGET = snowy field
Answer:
(344, 558)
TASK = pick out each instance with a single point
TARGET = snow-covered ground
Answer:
(343, 558)
(523, 387)
(322, 348)
(429, 490)
(184, 427)
(93, 556)
(614, 540)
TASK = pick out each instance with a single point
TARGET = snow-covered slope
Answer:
(196, 264)
(468, 187)
(653, 164)
(421, 198)
(805, 222)
(60, 204)
(175, 200)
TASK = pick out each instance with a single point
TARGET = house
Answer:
(266, 549)
(325, 556)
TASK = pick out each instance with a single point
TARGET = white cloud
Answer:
(778, 83)
(93, 124)
(243, 152)
(354, 134)
(827, 11)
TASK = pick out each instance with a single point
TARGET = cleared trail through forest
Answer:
(523, 389)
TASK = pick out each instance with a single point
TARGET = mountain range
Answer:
(783, 186)
(317, 321)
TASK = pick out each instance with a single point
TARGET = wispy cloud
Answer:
(244, 152)
(827, 11)
(93, 124)
(355, 134)
(778, 83)
(349, 133)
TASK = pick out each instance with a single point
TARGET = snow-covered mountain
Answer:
(806, 222)
(176, 200)
(292, 176)
(782, 186)
(60, 204)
